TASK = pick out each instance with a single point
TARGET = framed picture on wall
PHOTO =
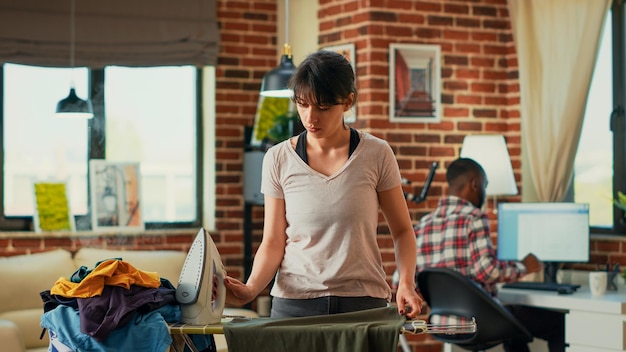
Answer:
(115, 196)
(414, 83)
(52, 208)
(276, 119)
(349, 52)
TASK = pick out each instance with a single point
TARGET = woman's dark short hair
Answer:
(324, 78)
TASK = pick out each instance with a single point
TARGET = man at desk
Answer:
(457, 235)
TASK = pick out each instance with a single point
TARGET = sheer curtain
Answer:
(557, 43)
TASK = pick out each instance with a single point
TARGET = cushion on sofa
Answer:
(28, 323)
(25, 276)
(166, 263)
(10, 336)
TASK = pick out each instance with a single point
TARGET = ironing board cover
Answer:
(367, 330)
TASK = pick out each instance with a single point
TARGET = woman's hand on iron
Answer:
(237, 293)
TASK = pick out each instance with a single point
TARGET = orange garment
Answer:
(112, 272)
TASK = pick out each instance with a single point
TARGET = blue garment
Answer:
(64, 321)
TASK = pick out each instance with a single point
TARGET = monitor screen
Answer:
(554, 232)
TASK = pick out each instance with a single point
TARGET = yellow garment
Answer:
(109, 272)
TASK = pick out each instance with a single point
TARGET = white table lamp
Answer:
(491, 153)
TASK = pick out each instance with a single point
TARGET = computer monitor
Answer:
(554, 232)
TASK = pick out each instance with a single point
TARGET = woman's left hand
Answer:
(409, 302)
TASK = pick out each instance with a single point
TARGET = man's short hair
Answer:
(460, 169)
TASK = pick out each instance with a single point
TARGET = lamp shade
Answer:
(74, 107)
(491, 153)
(275, 82)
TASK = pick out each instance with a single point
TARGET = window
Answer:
(599, 170)
(150, 118)
(147, 115)
(36, 146)
(593, 166)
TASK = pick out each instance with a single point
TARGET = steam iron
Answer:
(195, 284)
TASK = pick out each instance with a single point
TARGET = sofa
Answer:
(25, 276)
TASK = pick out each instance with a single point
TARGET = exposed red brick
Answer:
(468, 48)
(456, 9)
(451, 34)
(398, 31)
(455, 60)
(463, 73)
(470, 126)
(428, 33)
(484, 11)
(468, 22)
(469, 99)
(424, 6)
(411, 17)
(496, 101)
(441, 151)
(485, 113)
(482, 62)
(496, 127)
(456, 112)
(496, 24)
(483, 87)
(495, 49)
(455, 85)
(434, 20)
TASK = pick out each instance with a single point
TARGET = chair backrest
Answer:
(448, 293)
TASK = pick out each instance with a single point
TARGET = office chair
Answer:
(448, 292)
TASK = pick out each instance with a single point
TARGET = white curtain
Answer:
(557, 43)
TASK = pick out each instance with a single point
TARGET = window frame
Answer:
(96, 134)
(617, 122)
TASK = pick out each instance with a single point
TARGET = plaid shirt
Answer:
(456, 235)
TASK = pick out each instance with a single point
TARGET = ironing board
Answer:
(181, 332)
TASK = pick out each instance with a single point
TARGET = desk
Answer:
(592, 324)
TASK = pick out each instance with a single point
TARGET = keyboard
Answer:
(543, 286)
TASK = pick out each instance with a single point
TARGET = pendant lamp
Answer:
(72, 106)
(274, 83)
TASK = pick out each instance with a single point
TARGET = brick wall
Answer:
(248, 50)
(17, 243)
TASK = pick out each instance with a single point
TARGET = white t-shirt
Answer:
(332, 221)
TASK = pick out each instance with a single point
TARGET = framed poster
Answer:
(414, 83)
(52, 209)
(274, 121)
(349, 52)
(115, 196)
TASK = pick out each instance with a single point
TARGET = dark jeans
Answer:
(291, 308)
(542, 323)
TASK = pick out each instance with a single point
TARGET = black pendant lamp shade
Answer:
(73, 106)
(275, 82)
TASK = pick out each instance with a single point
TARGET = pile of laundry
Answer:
(112, 307)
